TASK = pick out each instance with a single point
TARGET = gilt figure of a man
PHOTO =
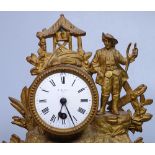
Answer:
(110, 74)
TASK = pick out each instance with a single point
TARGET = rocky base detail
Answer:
(105, 128)
(108, 128)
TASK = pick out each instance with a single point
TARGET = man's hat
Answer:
(109, 37)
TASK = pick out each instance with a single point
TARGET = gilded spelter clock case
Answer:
(62, 103)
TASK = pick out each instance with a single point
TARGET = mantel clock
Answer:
(62, 102)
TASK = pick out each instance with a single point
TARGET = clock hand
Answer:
(63, 102)
(69, 115)
(59, 113)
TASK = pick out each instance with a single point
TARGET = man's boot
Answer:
(104, 100)
(115, 103)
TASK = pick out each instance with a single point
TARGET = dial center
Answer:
(63, 101)
(62, 115)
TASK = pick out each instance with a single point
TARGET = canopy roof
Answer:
(62, 22)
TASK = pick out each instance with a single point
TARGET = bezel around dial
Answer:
(73, 70)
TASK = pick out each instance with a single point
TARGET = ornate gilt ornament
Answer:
(61, 54)
(62, 101)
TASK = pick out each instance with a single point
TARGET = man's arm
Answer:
(95, 66)
(130, 58)
(122, 60)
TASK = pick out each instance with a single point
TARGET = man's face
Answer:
(108, 43)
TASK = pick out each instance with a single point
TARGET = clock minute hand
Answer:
(69, 115)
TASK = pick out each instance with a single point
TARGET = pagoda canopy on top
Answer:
(61, 23)
(62, 31)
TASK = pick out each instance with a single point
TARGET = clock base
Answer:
(105, 128)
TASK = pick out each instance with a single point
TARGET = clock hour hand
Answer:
(59, 113)
(63, 102)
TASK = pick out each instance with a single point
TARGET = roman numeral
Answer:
(63, 79)
(73, 82)
(63, 121)
(81, 110)
(52, 82)
(75, 118)
(45, 91)
(53, 118)
(79, 91)
(45, 111)
(43, 101)
(84, 100)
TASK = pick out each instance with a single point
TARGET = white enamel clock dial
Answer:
(63, 100)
